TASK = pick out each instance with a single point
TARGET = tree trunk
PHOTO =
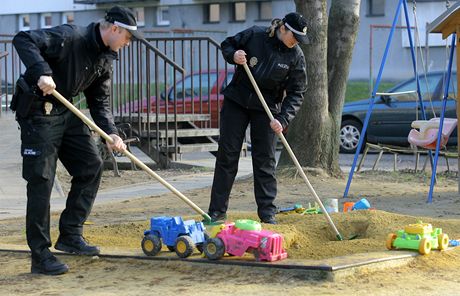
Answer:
(314, 134)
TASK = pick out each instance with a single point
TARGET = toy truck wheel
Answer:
(390, 239)
(425, 246)
(214, 248)
(184, 246)
(200, 246)
(257, 252)
(151, 245)
(443, 241)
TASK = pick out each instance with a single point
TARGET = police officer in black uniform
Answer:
(71, 60)
(278, 66)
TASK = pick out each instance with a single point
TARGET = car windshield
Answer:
(431, 88)
(193, 83)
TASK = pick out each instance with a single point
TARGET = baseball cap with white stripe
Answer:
(124, 18)
(297, 24)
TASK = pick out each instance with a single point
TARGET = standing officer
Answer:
(71, 60)
(278, 66)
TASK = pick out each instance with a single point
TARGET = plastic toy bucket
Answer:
(363, 204)
(348, 206)
(332, 205)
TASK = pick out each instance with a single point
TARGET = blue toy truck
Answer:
(178, 235)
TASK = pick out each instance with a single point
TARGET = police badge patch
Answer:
(253, 61)
(48, 107)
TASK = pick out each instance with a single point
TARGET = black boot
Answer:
(268, 220)
(75, 244)
(49, 265)
(217, 216)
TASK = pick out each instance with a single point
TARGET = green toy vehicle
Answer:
(419, 236)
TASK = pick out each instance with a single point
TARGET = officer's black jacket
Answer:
(77, 62)
(277, 69)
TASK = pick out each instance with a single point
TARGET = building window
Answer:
(265, 11)
(213, 13)
(140, 18)
(46, 20)
(68, 18)
(163, 16)
(24, 22)
(239, 11)
(375, 7)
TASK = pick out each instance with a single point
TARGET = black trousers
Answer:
(44, 140)
(233, 123)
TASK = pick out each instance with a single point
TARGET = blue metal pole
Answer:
(441, 120)
(372, 101)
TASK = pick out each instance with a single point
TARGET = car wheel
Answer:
(350, 132)
(151, 245)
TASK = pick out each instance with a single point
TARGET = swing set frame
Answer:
(448, 23)
(445, 17)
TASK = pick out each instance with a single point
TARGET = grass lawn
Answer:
(358, 90)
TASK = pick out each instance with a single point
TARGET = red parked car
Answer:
(197, 93)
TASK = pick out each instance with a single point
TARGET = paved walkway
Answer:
(13, 187)
(11, 184)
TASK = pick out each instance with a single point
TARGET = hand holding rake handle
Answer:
(291, 153)
(139, 163)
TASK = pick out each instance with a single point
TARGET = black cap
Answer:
(297, 24)
(124, 18)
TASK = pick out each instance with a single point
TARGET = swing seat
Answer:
(427, 133)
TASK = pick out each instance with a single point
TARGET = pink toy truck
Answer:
(241, 237)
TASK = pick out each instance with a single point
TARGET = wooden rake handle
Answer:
(133, 158)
